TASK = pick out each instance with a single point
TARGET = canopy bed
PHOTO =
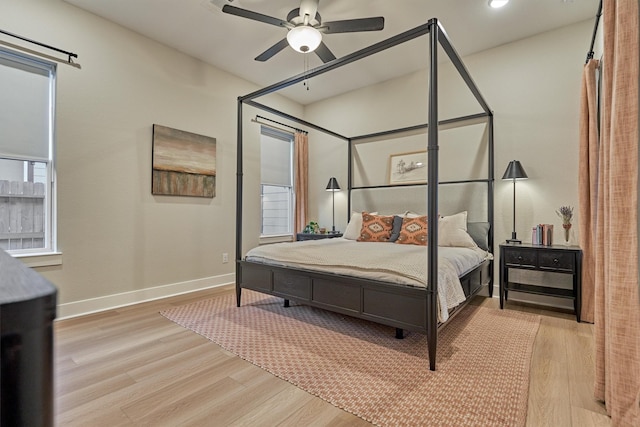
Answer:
(396, 302)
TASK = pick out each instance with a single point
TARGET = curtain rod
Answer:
(281, 124)
(69, 54)
(595, 31)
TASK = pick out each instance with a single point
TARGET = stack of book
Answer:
(542, 234)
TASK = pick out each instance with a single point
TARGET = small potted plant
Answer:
(311, 228)
(566, 213)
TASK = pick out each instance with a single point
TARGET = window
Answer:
(276, 182)
(27, 214)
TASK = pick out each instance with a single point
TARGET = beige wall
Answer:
(120, 244)
(532, 86)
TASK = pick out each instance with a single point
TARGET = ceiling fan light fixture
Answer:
(304, 38)
(496, 4)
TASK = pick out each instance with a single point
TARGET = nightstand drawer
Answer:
(556, 261)
(520, 257)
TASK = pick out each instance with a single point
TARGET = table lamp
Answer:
(514, 171)
(333, 187)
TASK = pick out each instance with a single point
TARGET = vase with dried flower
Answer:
(566, 213)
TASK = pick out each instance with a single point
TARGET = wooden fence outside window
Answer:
(22, 215)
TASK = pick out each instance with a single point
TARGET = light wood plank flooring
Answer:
(133, 367)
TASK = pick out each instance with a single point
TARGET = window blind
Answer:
(25, 110)
(275, 151)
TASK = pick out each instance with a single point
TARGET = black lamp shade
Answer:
(514, 171)
(333, 185)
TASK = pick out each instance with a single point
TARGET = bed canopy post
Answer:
(490, 198)
(349, 176)
(432, 197)
(239, 177)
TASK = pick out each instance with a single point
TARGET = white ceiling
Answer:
(199, 28)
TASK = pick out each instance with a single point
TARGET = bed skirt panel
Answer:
(394, 305)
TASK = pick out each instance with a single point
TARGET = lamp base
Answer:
(514, 239)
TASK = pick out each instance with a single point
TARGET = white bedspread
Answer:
(390, 262)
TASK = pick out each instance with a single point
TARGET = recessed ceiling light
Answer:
(497, 3)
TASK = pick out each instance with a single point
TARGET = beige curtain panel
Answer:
(617, 299)
(587, 185)
(301, 182)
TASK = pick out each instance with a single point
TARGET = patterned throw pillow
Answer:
(352, 232)
(375, 228)
(414, 231)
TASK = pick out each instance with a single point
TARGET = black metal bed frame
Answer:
(437, 36)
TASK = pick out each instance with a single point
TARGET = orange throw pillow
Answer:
(375, 228)
(414, 231)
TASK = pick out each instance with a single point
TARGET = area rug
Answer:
(481, 377)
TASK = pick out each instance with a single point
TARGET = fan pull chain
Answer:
(306, 70)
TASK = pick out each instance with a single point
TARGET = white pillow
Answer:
(409, 214)
(355, 226)
(452, 231)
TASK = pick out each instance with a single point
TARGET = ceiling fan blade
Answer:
(353, 25)
(232, 10)
(272, 50)
(324, 53)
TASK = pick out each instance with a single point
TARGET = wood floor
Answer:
(133, 367)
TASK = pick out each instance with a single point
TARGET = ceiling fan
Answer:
(305, 29)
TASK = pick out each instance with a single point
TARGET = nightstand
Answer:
(316, 236)
(555, 258)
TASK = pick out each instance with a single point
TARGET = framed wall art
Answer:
(184, 163)
(408, 168)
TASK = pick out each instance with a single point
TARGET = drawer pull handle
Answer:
(519, 257)
(556, 260)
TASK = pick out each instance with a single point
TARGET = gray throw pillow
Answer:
(479, 232)
(397, 226)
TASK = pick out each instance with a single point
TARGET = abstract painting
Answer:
(184, 163)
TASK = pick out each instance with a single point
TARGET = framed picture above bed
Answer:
(408, 168)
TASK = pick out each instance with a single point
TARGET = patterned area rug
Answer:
(482, 376)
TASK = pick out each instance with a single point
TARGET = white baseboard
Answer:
(93, 305)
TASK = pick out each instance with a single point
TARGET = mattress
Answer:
(387, 262)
